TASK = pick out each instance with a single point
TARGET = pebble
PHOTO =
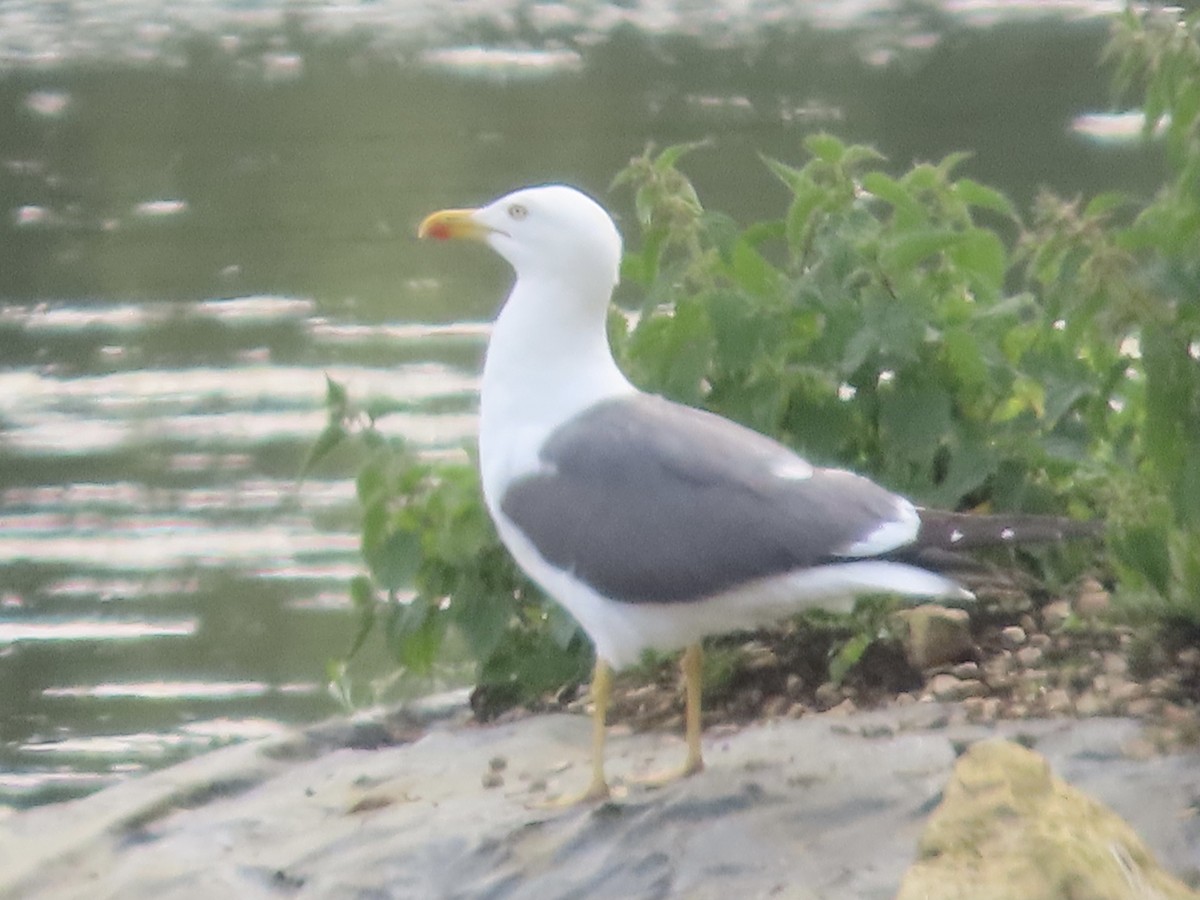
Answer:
(966, 670)
(982, 709)
(827, 694)
(1124, 691)
(1141, 707)
(1057, 700)
(1092, 600)
(946, 687)
(1055, 613)
(845, 708)
(998, 667)
(1040, 640)
(1028, 657)
(1115, 664)
(1012, 637)
(776, 706)
(1089, 704)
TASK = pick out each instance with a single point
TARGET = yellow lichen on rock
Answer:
(1009, 829)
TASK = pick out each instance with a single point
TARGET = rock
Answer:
(947, 688)
(1007, 828)
(827, 695)
(1092, 600)
(1057, 701)
(966, 670)
(816, 808)
(1089, 704)
(1054, 614)
(1012, 637)
(934, 635)
(1028, 657)
(1115, 664)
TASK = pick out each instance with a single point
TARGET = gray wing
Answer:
(649, 501)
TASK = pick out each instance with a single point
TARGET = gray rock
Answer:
(811, 808)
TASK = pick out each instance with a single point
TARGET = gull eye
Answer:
(517, 212)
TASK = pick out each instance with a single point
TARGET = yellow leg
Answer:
(692, 665)
(601, 691)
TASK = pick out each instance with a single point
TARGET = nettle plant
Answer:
(913, 326)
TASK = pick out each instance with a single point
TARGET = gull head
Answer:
(552, 232)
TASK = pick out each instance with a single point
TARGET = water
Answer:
(205, 207)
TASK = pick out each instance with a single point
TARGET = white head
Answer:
(550, 232)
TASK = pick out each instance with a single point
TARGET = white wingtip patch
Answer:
(794, 469)
(888, 534)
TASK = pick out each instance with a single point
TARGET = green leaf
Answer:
(752, 271)
(336, 400)
(847, 655)
(981, 253)
(825, 147)
(1145, 549)
(331, 437)
(395, 561)
(915, 417)
(983, 197)
(905, 250)
(908, 209)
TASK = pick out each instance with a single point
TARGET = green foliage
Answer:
(911, 325)
(886, 289)
(436, 568)
(1157, 539)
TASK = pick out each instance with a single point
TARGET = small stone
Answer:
(1040, 640)
(1092, 600)
(1088, 705)
(1158, 687)
(1028, 624)
(1114, 664)
(492, 779)
(998, 667)
(776, 706)
(966, 670)
(1188, 656)
(1012, 637)
(1028, 657)
(1054, 614)
(935, 635)
(946, 688)
(1142, 707)
(828, 694)
(982, 709)
(1057, 701)
(1124, 691)
(756, 657)
(497, 763)
(845, 708)
(797, 710)
(794, 685)
(1174, 714)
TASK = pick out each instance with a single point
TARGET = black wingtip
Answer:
(944, 530)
